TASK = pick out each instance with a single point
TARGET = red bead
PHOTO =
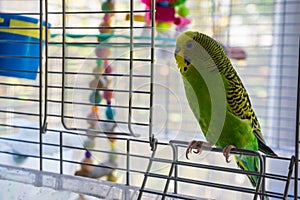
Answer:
(108, 69)
(107, 95)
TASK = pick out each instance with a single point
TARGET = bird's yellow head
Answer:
(197, 51)
(184, 51)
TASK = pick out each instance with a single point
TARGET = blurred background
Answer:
(148, 95)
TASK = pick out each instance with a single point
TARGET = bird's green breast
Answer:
(198, 97)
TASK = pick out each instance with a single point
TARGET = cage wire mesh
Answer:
(108, 86)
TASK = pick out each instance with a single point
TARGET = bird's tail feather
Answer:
(265, 149)
(249, 163)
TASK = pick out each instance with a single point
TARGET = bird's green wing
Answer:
(239, 104)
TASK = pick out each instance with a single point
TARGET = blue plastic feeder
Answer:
(20, 46)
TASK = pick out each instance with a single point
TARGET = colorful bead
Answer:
(102, 83)
(108, 69)
(89, 143)
(87, 160)
(95, 97)
(98, 83)
(92, 118)
(111, 177)
(108, 5)
(88, 154)
(107, 126)
(183, 11)
(101, 52)
(110, 113)
(99, 62)
(106, 30)
(97, 70)
(91, 134)
(112, 144)
(112, 157)
(107, 17)
(95, 109)
(163, 27)
(93, 83)
(107, 95)
(179, 2)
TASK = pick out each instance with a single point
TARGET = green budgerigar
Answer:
(218, 100)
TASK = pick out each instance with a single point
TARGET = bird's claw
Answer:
(226, 152)
(195, 147)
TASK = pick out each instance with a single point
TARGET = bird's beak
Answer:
(187, 60)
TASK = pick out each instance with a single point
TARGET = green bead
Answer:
(178, 2)
(163, 27)
(183, 11)
(99, 62)
(108, 5)
(95, 97)
(112, 157)
(89, 144)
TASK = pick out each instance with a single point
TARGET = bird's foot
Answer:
(226, 152)
(196, 147)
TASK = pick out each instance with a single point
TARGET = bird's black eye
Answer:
(177, 49)
(189, 44)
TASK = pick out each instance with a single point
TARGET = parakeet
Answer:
(219, 100)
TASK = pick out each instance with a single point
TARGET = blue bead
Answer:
(88, 154)
(163, 4)
(110, 113)
(95, 97)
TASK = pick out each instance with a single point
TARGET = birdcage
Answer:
(93, 106)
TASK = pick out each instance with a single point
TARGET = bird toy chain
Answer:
(100, 85)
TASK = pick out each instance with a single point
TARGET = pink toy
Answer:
(182, 21)
(102, 52)
(165, 12)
